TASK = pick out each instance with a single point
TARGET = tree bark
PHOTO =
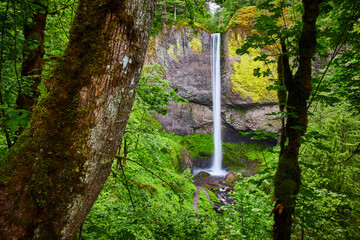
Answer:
(288, 175)
(52, 175)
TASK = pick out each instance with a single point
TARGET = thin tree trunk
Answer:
(53, 174)
(33, 64)
(174, 12)
(288, 175)
(165, 12)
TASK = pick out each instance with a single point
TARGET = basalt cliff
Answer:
(185, 57)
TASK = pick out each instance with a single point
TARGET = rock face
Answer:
(185, 57)
(187, 118)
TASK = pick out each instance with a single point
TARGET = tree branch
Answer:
(127, 159)
(354, 152)
(62, 26)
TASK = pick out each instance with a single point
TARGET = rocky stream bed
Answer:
(219, 185)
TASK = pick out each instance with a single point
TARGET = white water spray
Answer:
(216, 93)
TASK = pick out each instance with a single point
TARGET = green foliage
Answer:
(152, 220)
(328, 202)
(220, 20)
(261, 134)
(170, 12)
(14, 16)
(17, 118)
(317, 215)
(237, 157)
(154, 91)
(214, 22)
(338, 44)
(161, 211)
(245, 158)
(198, 11)
(346, 82)
(275, 22)
(160, 215)
(329, 198)
(57, 30)
(199, 143)
(248, 217)
(338, 132)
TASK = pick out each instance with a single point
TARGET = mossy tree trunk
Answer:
(298, 87)
(52, 175)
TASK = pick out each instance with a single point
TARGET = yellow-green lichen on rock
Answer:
(151, 55)
(243, 80)
(179, 48)
(171, 52)
(196, 45)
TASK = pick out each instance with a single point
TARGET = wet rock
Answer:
(184, 161)
(202, 161)
(201, 178)
(205, 179)
(202, 174)
(230, 177)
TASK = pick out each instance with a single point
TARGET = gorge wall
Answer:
(185, 57)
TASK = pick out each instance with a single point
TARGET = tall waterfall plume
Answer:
(216, 94)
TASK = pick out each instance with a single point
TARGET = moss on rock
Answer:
(196, 45)
(171, 52)
(179, 48)
(243, 80)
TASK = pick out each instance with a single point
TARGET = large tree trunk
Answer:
(53, 174)
(288, 176)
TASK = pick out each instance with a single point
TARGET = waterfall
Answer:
(216, 94)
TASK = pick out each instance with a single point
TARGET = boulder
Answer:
(230, 177)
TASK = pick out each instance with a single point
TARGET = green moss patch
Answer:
(243, 80)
